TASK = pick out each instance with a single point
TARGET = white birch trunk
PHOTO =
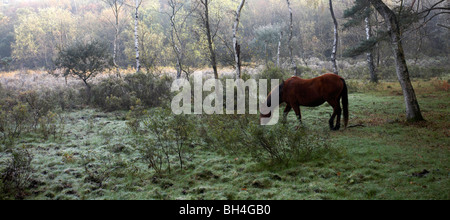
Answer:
(116, 37)
(291, 35)
(136, 34)
(279, 49)
(116, 7)
(336, 39)
(370, 62)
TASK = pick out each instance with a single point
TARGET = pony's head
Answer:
(265, 115)
(278, 91)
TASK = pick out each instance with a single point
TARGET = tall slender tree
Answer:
(236, 46)
(336, 39)
(205, 18)
(413, 112)
(369, 54)
(361, 12)
(178, 22)
(279, 49)
(137, 5)
(291, 35)
(116, 8)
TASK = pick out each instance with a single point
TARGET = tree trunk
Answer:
(88, 91)
(413, 112)
(116, 37)
(179, 68)
(175, 37)
(116, 7)
(336, 39)
(177, 50)
(291, 34)
(136, 34)
(370, 62)
(210, 40)
(236, 46)
(279, 49)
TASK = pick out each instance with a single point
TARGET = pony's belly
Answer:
(313, 104)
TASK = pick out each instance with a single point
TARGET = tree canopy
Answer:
(33, 31)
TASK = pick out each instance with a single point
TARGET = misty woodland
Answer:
(93, 96)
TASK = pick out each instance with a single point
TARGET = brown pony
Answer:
(296, 92)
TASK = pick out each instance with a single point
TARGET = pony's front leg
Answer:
(286, 113)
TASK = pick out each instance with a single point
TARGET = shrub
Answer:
(272, 72)
(65, 98)
(152, 90)
(17, 118)
(159, 149)
(135, 115)
(182, 129)
(5, 63)
(440, 85)
(38, 106)
(113, 103)
(113, 93)
(85, 61)
(225, 133)
(242, 134)
(167, 137)
(14, 118)
(16, 178)
(33, 110)
(303, 69)
(281, 143)
(48, 125)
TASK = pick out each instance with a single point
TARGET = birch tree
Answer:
(137, 5)
(336, 39)
(413, 112)
(236, 46)
(362, 12)
(205, 18)
(291, 35)
(177, 42)
(279, 49)
(369, 54)
(116, 8)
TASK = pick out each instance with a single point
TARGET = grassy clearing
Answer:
(381, 158)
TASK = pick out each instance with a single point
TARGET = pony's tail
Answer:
(277, 91)
(345, 102)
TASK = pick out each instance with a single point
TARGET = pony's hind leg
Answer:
(331, 121)
(337, 111)
(338, 121)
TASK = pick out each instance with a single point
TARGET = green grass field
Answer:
(379, 157)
